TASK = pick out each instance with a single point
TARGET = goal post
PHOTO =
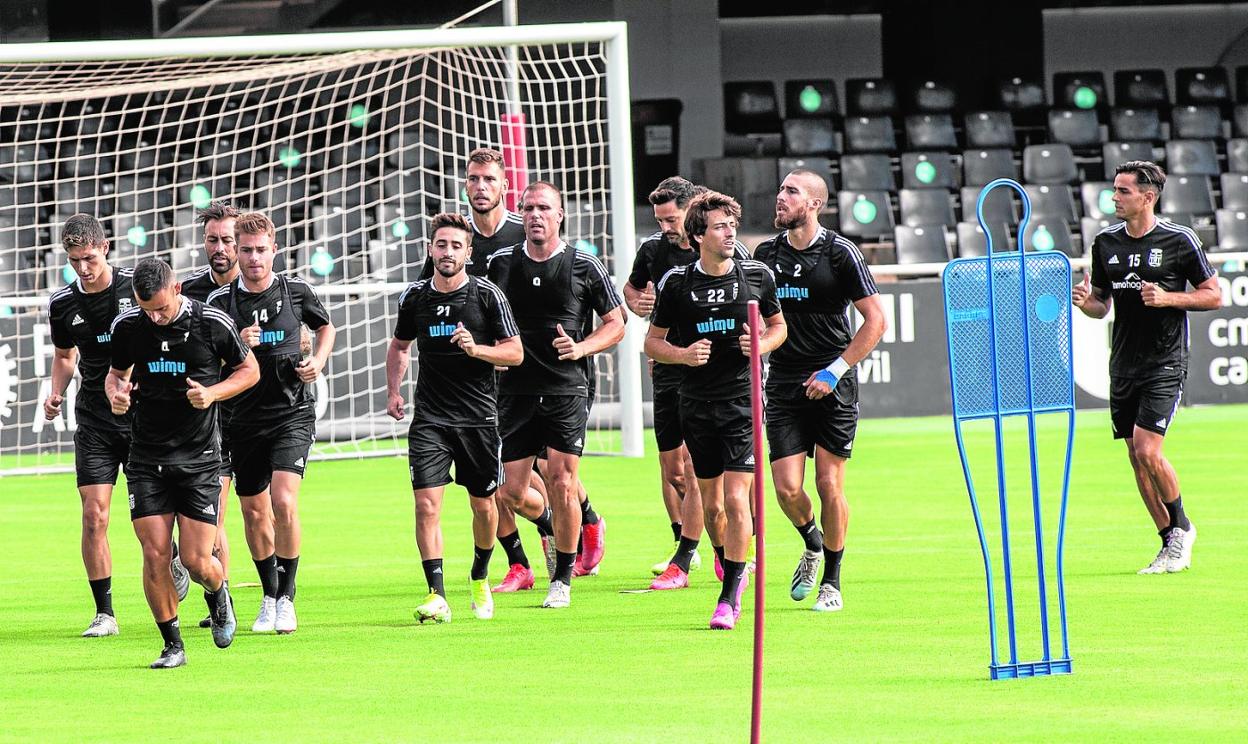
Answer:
(350, 140)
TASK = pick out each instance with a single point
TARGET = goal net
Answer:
(350, 142)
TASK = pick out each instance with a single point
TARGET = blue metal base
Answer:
(1030, 669)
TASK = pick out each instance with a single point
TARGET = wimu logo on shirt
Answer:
(788, 292)
(717, 325)
(163, 366)
(441, 329)
(104, 338)
(272, 337)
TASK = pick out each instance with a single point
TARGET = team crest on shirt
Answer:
(123, 304)
(279, 307)
(1154, 258)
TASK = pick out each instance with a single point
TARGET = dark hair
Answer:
(450, 219)
(704, 204)
(82, 230)
(673, 189)
(820, 190)
(217, 210)
(1148, 176)
(255, 223)
(151, 275)
(542, 185)
(487, 155)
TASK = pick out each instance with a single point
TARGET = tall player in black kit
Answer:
(79, 319)
(1142, 266)
(812, 392)
(706, 304)
(553, 289)
(167, 357)
(272, 425)
(463, 329)
(218, 223)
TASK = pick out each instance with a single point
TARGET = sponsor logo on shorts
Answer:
(210, 510)
(299, 462)
(492, 486)
(132, 502)
(1161, 423)
(577, 443)
(749, 460)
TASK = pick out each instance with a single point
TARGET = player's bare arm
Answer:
(609, 333)
(658, 348)
(311, 367)
(398, 355)
(64, 362)
(866, 338)
(1206, 296)
(241, 377)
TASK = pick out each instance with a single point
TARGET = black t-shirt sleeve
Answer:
(405, 320)
(224, 340)
(853, 276)
(119, 345)
(219, 301)
(313, 314)
(665, 301)
(1193, 265)
(59, 331)
(765, 252)
(768, 304)
(1099, 278)
(640, 275)
(498, 313)
(602, 293)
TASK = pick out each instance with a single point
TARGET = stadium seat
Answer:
(412, 148)
(1090, 226)
(1098, 199)
(1135, 125)
(1197, 86)
(998, 207)
(83, 158)
(137, 155)
(279, 187)
(987, 129)
(144, 195)
(1075, 127)
(1141, 89)
(1232, 231)
(358, 152)
(86, 195)
(349, 185)
(1187, 195)
(400, 254)
(868, 172)
(972, 241)
(751, 108)
(24, 162)
(1191, 157)
(1051, 201)
(870, 134)
(933, 97)
(1049, 233)
(982, 166)
(1117, 153)
(928, 170)
(1196, 122)
(20, 202)
(926, 207)
(1080, 90)
(1239, 120)
(811, 99)
(351, 226)
(1024, 98)
(921, 244)
(870, 97)
(809, 137)
(88, 119)
(1237, 155)
(1234, 190)
(930, 132)
(1049, 164)
(865, 214)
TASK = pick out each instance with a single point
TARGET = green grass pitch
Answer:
(1156, 657)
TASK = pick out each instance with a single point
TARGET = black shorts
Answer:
(795, 423)
(527, 423)
(719, 435)
(257, 453)
(194, 492)
(667, 431)
(98, 453)
(475, 450)
(1149, 403)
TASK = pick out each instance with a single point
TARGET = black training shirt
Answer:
(510, 231)
(83, 320)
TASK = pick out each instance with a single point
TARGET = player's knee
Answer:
(155, 556)
(828, 487)
(788, 492)
(198, 566)
(481, 507)
(426, 507)
(94, 521)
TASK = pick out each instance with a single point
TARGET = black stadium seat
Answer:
(921, 244)
(989, 129)
(1141, 89)
(1191, 157)
(751, 108)
(998, 207)
(979, 167)
(1239, 120)
(1135, 125)
(1195, 86)
(1080, 90)
(870, 97)
(1232, 231)
(1117, 153)
(809, 137)
(865, 214)
(1024, 98)
(870, 134)
(1097, 198)
(1049, 233)
(867, 172)
(1053, 163)
(926, 207)
(972, 241)
(1196, 122)
(928, 170)
(932, 96)
(1234, 190)
(1090, 226)
(1075, 127)
(930, 132)
(811, 99)
(1051, 201)
(1237, 155)
(1187, 195)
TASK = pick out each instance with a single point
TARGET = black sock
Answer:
(170, 633)
(102, 590)
(832, 567)
(1177, 517)
(563, 566)
(811, 536)
(733, 571)
(433, 575)
(514, 549)
(215, 599)
(267, 568)
(545, 523)
(676, 527)
(684, 553)
(480, 562)
(588, 515)
(286, 570)
(719, 553)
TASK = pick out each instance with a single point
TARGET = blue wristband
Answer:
(825, 376)
(833, 373)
